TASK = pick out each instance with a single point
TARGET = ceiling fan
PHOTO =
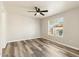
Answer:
(37, 10)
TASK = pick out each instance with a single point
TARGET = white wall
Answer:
(2, 27)
(21, 27)
(0, 22)
(71, 28)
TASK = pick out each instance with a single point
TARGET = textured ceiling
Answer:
(53, 7)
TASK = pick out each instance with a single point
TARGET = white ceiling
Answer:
(53, 7)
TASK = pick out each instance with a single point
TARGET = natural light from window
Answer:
(55, 27)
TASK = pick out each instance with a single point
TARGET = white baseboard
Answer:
(21, 39)
(65, 44)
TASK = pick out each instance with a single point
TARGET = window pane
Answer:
(55, 27)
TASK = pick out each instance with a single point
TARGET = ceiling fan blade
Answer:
(44, 11)
(36, 8)
(41, 13)
(31, 11)
(35, 14)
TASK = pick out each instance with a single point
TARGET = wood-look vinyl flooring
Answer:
(38, 48)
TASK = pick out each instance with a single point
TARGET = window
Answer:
(55, 27)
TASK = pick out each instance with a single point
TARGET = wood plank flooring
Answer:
(38, 48)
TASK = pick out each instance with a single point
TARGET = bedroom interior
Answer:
(39, 29)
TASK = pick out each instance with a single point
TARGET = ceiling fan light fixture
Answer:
(38, 11)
